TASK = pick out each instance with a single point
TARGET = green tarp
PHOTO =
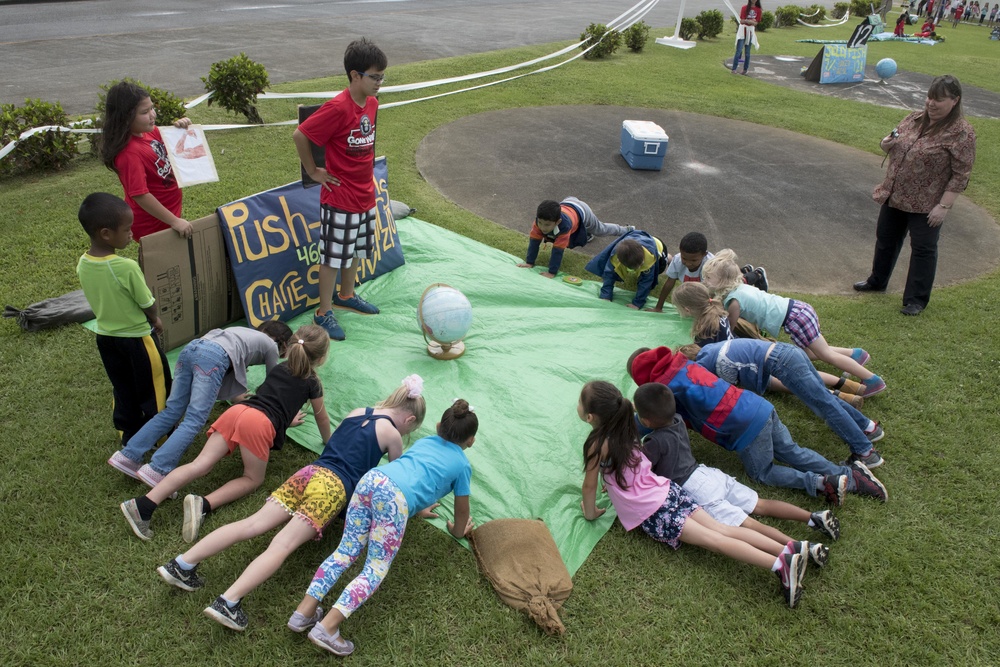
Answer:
(534, 342)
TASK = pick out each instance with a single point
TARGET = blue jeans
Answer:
(792, 367)
(742, 45)
(197, 378)
(802, 466)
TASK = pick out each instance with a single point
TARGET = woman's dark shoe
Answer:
(912, 309)
(865, 286)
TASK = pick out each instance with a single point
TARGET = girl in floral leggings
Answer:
(377, 516)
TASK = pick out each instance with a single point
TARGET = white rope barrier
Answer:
(621, 22)
(829, 25)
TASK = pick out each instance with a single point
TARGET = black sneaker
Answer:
(818, 554)
(175, 575)
(834, 489)
(790, 575)
(234, 618)
(866, 484)
(762, 284)
(825, 522)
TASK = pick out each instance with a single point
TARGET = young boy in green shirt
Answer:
(126, 313)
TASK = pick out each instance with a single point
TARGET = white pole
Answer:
(676, 40)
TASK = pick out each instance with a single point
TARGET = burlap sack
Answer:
(521, 560)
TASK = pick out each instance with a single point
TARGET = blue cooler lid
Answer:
(644, 130)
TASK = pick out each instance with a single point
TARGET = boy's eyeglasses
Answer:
(377, 78)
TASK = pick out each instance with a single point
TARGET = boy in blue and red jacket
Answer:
(748, 425)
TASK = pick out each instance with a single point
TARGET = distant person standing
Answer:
(957, 16)
(746, 34)
(931, 154)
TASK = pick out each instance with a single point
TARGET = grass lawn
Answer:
(912, 582)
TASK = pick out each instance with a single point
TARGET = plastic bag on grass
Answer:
(66, 309)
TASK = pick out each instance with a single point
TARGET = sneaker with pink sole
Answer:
(151, 478)
(124, 464)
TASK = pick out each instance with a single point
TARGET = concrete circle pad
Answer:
(797, 205)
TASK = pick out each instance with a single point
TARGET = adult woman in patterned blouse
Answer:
(930, 158)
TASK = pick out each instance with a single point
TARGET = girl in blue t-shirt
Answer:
(722, 276)
(380, 507)
(314, 495)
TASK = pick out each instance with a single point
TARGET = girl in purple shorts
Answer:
(661, 509)
(722, 276)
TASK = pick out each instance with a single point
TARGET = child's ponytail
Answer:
(694, 299)
(459, 422)
(409, 397)
(307, 350)
(721, 274)
(120, 105)
(615, 419)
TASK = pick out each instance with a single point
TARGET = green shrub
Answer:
(235, 85)
(607, 40)
(815, 14)
(710, 23)
(169, 107)
(766, 21)
(43, 151)
(785, 17)
(636, 35)
(861, 8)
(689, 28)
(840, 8)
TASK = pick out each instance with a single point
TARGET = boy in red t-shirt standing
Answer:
(345, 127)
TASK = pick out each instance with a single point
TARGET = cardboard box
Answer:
(191, 281)
(643, 144)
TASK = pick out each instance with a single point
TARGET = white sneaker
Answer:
(193, 517)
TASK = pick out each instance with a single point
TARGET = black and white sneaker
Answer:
(790, 574)
(826, 523)
(175, 575)
(818, 554)
(762, 283)
(233, 618)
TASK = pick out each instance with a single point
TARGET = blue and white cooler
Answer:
(644, 144)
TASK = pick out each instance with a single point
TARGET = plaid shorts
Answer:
(801, 323)
(345, 235)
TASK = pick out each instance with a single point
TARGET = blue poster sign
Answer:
(843, 64)
(272, 239)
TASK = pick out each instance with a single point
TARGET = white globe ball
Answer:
(444, 314)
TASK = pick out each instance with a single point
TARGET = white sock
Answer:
(183, 564)
(811, 523)
(230, 603)
(870, 427)
(777, 564)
